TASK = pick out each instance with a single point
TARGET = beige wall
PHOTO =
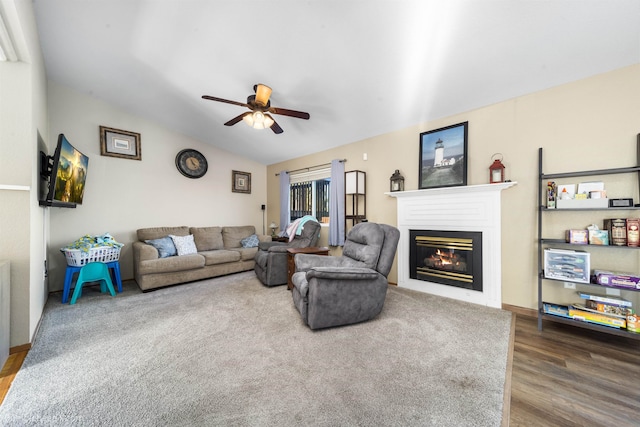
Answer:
(584, 125)
(123, 195)
(22, 222)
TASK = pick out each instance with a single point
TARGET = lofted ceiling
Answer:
(360, 68)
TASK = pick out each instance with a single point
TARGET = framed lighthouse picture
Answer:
(443, 157)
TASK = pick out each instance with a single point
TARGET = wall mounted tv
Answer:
(65, 174)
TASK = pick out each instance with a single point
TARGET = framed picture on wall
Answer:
(241, 182)
(443, 157)
(120, 143)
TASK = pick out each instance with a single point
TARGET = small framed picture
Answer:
(120, 143)
(241, 182)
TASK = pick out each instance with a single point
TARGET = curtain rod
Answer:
(312, 167)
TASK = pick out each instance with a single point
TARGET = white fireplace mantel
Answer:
(463, 208)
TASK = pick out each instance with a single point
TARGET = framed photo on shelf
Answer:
(241, 182)
(443, 157)
(119, 143)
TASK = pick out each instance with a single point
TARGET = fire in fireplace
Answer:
(451, 258)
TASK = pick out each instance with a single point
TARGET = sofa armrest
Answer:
(144, 252)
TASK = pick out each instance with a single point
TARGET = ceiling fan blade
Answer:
(291, 113)
(236, 119)
(213, 98)
(275, 127)
(263, 92)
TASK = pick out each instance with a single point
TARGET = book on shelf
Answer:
(605, 299)
(616, 279)
(633, 323)
(617, 228)
(633, 231)
(556, 309)
(609, 310)
(600, 319)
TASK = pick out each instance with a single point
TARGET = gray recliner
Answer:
(333, 291)
(271, 258)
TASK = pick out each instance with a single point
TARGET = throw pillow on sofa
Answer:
(164, 245)
(250, 242)
(184, 244)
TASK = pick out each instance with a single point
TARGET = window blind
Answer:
(313, 175)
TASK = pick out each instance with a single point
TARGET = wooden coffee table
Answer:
(292, 252)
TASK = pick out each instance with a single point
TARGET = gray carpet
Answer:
(229, 351)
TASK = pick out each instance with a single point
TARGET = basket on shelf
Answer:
(79, 258)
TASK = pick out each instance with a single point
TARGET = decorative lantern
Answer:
(496, 170)
(396, 181)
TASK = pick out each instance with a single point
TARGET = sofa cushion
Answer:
(164, 245)
(250, 242)
(207, 238)
(184, 244)
(171, 264)
(247, 253)
(220, 256)
(232, 236)
(158, 232)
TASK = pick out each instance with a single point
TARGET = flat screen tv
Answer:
(65, 173)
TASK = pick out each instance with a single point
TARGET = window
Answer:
(309, 194)
(310, 198)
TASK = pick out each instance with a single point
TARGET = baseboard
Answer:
(20, 348)
(521, 311)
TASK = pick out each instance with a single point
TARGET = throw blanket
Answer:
(295, 228)
(87, 242)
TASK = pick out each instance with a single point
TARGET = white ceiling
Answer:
(360, 68)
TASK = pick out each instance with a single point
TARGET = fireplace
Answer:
(452, 258)
(465, 208)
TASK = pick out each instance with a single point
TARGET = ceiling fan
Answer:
(260, 106)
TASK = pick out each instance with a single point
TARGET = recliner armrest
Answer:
(265, 246)
(342, 273)
(305, 262)
(281, 248)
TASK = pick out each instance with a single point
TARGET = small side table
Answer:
(279, 239)
(113, 266)
(292, 252)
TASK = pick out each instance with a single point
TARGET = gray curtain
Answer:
(336, 204)
(285, 214)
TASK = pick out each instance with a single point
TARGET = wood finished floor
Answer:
(563, 376)
(568, 376)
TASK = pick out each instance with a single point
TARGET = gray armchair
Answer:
(333, 291)
(271, 258)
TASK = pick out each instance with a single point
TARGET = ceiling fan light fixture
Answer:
(263, 93)
(259, 106)
(258, 120)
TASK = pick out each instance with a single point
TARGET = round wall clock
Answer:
(191, 163)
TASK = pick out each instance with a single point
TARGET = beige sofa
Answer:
(219, 252)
